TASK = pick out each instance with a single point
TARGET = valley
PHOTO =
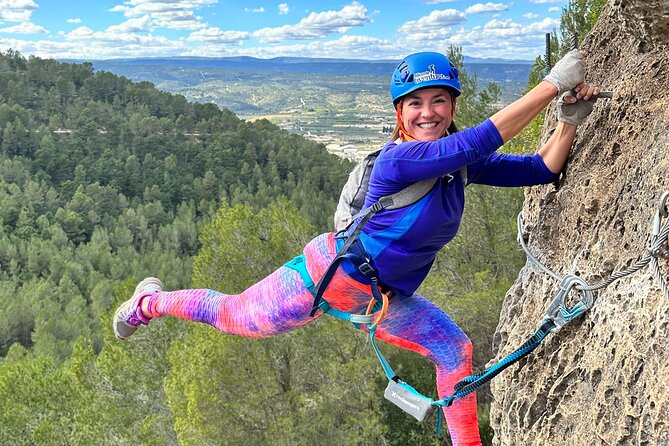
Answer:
(345, 105)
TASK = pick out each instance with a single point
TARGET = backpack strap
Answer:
(405, 197)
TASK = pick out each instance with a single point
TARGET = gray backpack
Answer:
(353, 194)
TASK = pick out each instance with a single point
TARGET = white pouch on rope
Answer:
(406, 398)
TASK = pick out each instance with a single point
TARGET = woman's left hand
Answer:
(573, 109)
(586, 91)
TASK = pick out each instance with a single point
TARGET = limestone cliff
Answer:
(604, 378)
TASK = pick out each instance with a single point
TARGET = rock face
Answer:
(604, 378)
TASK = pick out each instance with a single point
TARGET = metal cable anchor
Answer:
(559, 312)
(664, 205)
(662, 212)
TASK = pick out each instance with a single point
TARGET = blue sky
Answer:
(360, 29)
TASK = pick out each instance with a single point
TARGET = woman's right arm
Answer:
(417, 160)
(514, 117)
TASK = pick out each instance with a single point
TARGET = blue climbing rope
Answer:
(472, 383)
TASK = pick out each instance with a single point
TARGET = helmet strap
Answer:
(403, 132)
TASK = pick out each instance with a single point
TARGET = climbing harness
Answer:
(352, 249)
(398, 392)
(557, 314)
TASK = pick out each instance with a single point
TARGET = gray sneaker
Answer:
(128, 316)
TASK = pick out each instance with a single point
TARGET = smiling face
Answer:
(427, 113)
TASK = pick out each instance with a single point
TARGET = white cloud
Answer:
(554, 9)
(433, 23)
(504, 38)
(87, 37)
(501, 24)
(216, 35)
(84, 43)
(434, 2)
(547, 1)
(509, 27)
(317, 24)
(119, 8)
(142, 7)
(25, 28)
(82, 32)
(437, 31)
(430, 36)
(357, 46)
(488, 7)
(261, 9)
(172, 14)
(346, 47)
(178, 20)
(18, 4)
(544, 26)
(131, 25)
(74, 20)
(24, 47)
(17, 10)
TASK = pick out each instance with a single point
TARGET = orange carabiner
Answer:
(383, 311)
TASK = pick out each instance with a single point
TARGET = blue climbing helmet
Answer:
(423, 70)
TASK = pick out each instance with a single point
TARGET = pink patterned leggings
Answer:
(280, 303)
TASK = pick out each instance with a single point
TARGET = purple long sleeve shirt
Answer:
(402, 243)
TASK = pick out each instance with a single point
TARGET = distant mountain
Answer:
(495, 60)
(497, 70)
(288, 64)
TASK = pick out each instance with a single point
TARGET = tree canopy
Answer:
(104, 181)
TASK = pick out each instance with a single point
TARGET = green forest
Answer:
(104, 181)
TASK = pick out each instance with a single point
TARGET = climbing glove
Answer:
(568, 72)
(574, 113)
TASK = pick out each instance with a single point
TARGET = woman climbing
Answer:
(399, 245)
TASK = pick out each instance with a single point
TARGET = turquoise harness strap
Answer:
(299, 264)
(382, 359)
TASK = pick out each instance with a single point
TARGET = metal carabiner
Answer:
(559, 312)
(662, 211)
(664, 205)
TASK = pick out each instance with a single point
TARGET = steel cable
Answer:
(658, 239)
